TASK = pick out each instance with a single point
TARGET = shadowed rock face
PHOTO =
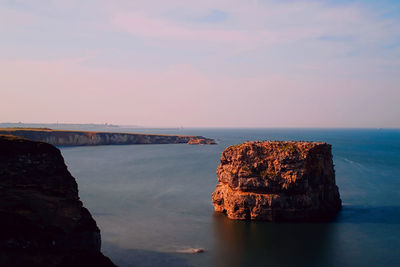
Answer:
(43, 222)
(277, 181)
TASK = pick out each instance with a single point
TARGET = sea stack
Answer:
(43, 222)
(277, 181)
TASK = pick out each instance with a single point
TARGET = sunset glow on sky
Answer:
(201, 63)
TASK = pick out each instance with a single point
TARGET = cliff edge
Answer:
(43, 222)
(277, 181)
(84, 138)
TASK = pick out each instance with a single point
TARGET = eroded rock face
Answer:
(277, 181)
(42, 220)
(84, 138)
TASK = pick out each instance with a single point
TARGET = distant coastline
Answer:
(93, 138)
(84, 126)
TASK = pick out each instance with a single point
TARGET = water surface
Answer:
(151, 201)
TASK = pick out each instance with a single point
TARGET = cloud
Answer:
(200, 63)
(142, 25)
(15, 19)
(248, 25)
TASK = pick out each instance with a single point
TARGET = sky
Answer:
(201, 63)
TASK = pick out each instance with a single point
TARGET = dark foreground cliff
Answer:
(42, 220)
(277, 181)
(84, 138)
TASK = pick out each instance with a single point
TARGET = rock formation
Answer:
(43, 222)
(199, 140)
(83, 138)
(277, 181)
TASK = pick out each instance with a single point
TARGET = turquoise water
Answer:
(152, 202)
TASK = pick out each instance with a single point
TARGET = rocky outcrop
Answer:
(277, 181)
(43, 222)
(83, 138)
(199, 140)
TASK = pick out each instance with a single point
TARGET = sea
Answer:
(153, 202)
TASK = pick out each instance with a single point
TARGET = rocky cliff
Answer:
(42, 220)
(83, 138)
(277, 181)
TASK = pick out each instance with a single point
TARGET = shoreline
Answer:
(94, 138)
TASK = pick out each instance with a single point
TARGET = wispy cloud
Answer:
(250, 26)
(234, 62)
(142, 25)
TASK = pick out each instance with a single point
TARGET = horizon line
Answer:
(203, 127)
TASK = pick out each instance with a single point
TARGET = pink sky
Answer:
(211, 63)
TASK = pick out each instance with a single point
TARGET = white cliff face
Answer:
(76, 138)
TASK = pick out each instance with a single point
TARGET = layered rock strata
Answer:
(43, 222)
(277, 181)
(83, 138)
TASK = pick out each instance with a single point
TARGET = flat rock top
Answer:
(272, 166)
(15, 146)
(281, 151)
(278, 145)
(10, 131)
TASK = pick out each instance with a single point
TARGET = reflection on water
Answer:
(367, 214)
(143, 258)
(242, 243)
(151, 201)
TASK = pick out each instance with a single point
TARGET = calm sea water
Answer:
(153, 201)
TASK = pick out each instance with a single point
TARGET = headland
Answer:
(89, 138)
